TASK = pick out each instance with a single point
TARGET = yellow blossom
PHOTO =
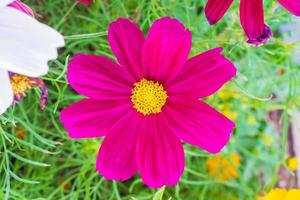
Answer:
(275, 194)
(292, 164)
(223, 168)
(224, 95)
(231, 115)
(226, 109)
(282, 194)
(227, 92)
(293, 194)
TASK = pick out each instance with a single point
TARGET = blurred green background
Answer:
(39, 161)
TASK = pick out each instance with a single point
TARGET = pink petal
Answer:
(252, 20)
(216, 9)
(99, 78)
(166, 49)
(198, 124)
(292, 6)
(116, 158)
(22, 7)
(126, 41)
(203, 75)
(90, 118)
(159, 153)
(86, 2)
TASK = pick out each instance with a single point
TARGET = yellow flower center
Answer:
(20, 83)
(148, 97)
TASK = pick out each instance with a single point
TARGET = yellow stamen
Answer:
(20, 83)
(148, 97)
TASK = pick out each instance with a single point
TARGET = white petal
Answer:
(6, 94)
(26, 45)
(5, 2)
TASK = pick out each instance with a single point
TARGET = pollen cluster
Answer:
(20, 83)
(148, 97)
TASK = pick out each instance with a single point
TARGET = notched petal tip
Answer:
(119, 21)
(215, 10)
(230, 131)
(171, 22)
(265, 37)
(211, 21)
(166, 49)
(126, 41)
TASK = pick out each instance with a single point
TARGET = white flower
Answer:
(26, 46)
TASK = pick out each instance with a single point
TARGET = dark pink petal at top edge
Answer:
(252, 21)
(293, 6)
(216, 9)
(86, 2)
(126, 41)
(166, 49)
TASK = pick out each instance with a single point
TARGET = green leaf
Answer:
(159, 194)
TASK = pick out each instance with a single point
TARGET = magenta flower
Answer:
(85, 2)
(148, 102)
(251, 16)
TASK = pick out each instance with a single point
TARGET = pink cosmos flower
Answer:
(86, 2)
(148, 102)
(251, 16)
